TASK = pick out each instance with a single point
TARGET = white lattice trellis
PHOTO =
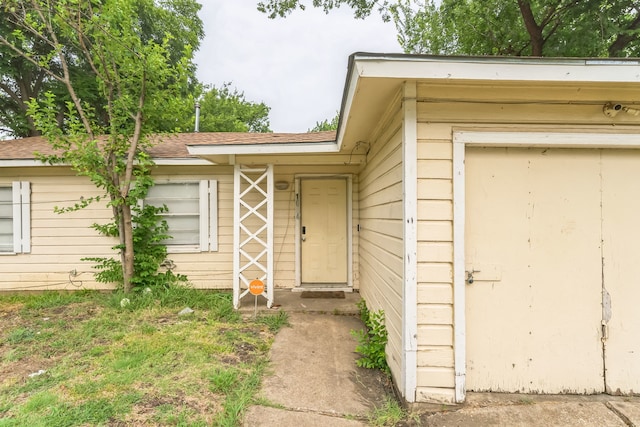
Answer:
(252, 230)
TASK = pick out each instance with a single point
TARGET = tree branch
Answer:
(623, 40)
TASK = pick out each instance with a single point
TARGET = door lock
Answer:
(470, 276)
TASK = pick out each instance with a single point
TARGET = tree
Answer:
(137, 79)
(561, 28)
(21, 80)
(327, 124)
(225, 110)
(590, 28)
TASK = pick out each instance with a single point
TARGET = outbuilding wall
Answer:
(381, 247)
(442, 110)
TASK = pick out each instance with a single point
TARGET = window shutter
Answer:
(21, 216)
(208, 215)
(213, 215)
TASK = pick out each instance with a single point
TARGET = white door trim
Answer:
(492, 138)
(349, 213)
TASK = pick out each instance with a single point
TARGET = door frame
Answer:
(571, 138)
(349, 213)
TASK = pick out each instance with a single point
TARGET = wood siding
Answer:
(381, 243)
(442, 109)
(60, 241)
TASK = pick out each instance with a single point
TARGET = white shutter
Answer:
(208, 215)
(21, 216)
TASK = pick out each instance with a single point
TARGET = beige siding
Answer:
(441, 110)
(435, 378)
(381, 242)
(60, 241)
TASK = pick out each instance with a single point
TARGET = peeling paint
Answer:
(606, 305)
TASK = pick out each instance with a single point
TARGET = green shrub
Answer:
(372, 340)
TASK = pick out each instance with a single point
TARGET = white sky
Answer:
(296, 65)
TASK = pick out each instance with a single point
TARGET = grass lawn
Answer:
(83, 358)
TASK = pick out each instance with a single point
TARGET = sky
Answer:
(296, 65)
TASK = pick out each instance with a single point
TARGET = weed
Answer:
(241, 396)
(21, 335)
(389, 414)
(223, 380)
(274, 322)
(373, 340)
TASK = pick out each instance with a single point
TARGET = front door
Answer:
(323, 232)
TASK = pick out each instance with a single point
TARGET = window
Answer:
(15, 218)
(192, 215)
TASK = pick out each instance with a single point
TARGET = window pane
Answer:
(183, 217)
(183, 229)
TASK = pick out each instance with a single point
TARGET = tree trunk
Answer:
(535, 31)
(127, 261)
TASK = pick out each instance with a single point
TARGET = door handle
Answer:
(304, 232)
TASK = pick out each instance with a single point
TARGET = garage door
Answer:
(552, 245)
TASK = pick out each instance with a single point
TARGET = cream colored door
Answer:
(533, 230)
(323, 222)
(621, 260)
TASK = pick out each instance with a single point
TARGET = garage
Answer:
(552, 260)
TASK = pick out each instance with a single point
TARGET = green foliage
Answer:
(589, 28)
(372, 341)
(361, 8)
(585, 28)
(327, 124)
(225, 109)
(149, 252)
(139, 80)
(174, 20)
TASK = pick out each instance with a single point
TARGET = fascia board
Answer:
(21, 163)
(291, 148)
(485, 69)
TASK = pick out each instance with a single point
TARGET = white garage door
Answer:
(553, 238)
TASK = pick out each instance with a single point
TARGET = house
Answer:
(487, 205)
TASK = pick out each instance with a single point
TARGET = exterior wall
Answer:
(441, 111)
(381, 231)
(60, 241)
(435, 378)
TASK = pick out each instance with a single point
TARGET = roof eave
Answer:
(403, 67)
(282, 148)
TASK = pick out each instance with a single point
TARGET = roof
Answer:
(175, 146)
(374, 79)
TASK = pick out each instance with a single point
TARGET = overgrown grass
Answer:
(70, 359)
(389, 414)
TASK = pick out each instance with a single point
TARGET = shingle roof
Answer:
(173, 146)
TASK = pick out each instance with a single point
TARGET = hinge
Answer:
(605, 331)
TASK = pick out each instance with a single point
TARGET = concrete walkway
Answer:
(315, 382)
(496, 409)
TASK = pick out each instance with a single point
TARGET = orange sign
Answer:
(256, 287)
